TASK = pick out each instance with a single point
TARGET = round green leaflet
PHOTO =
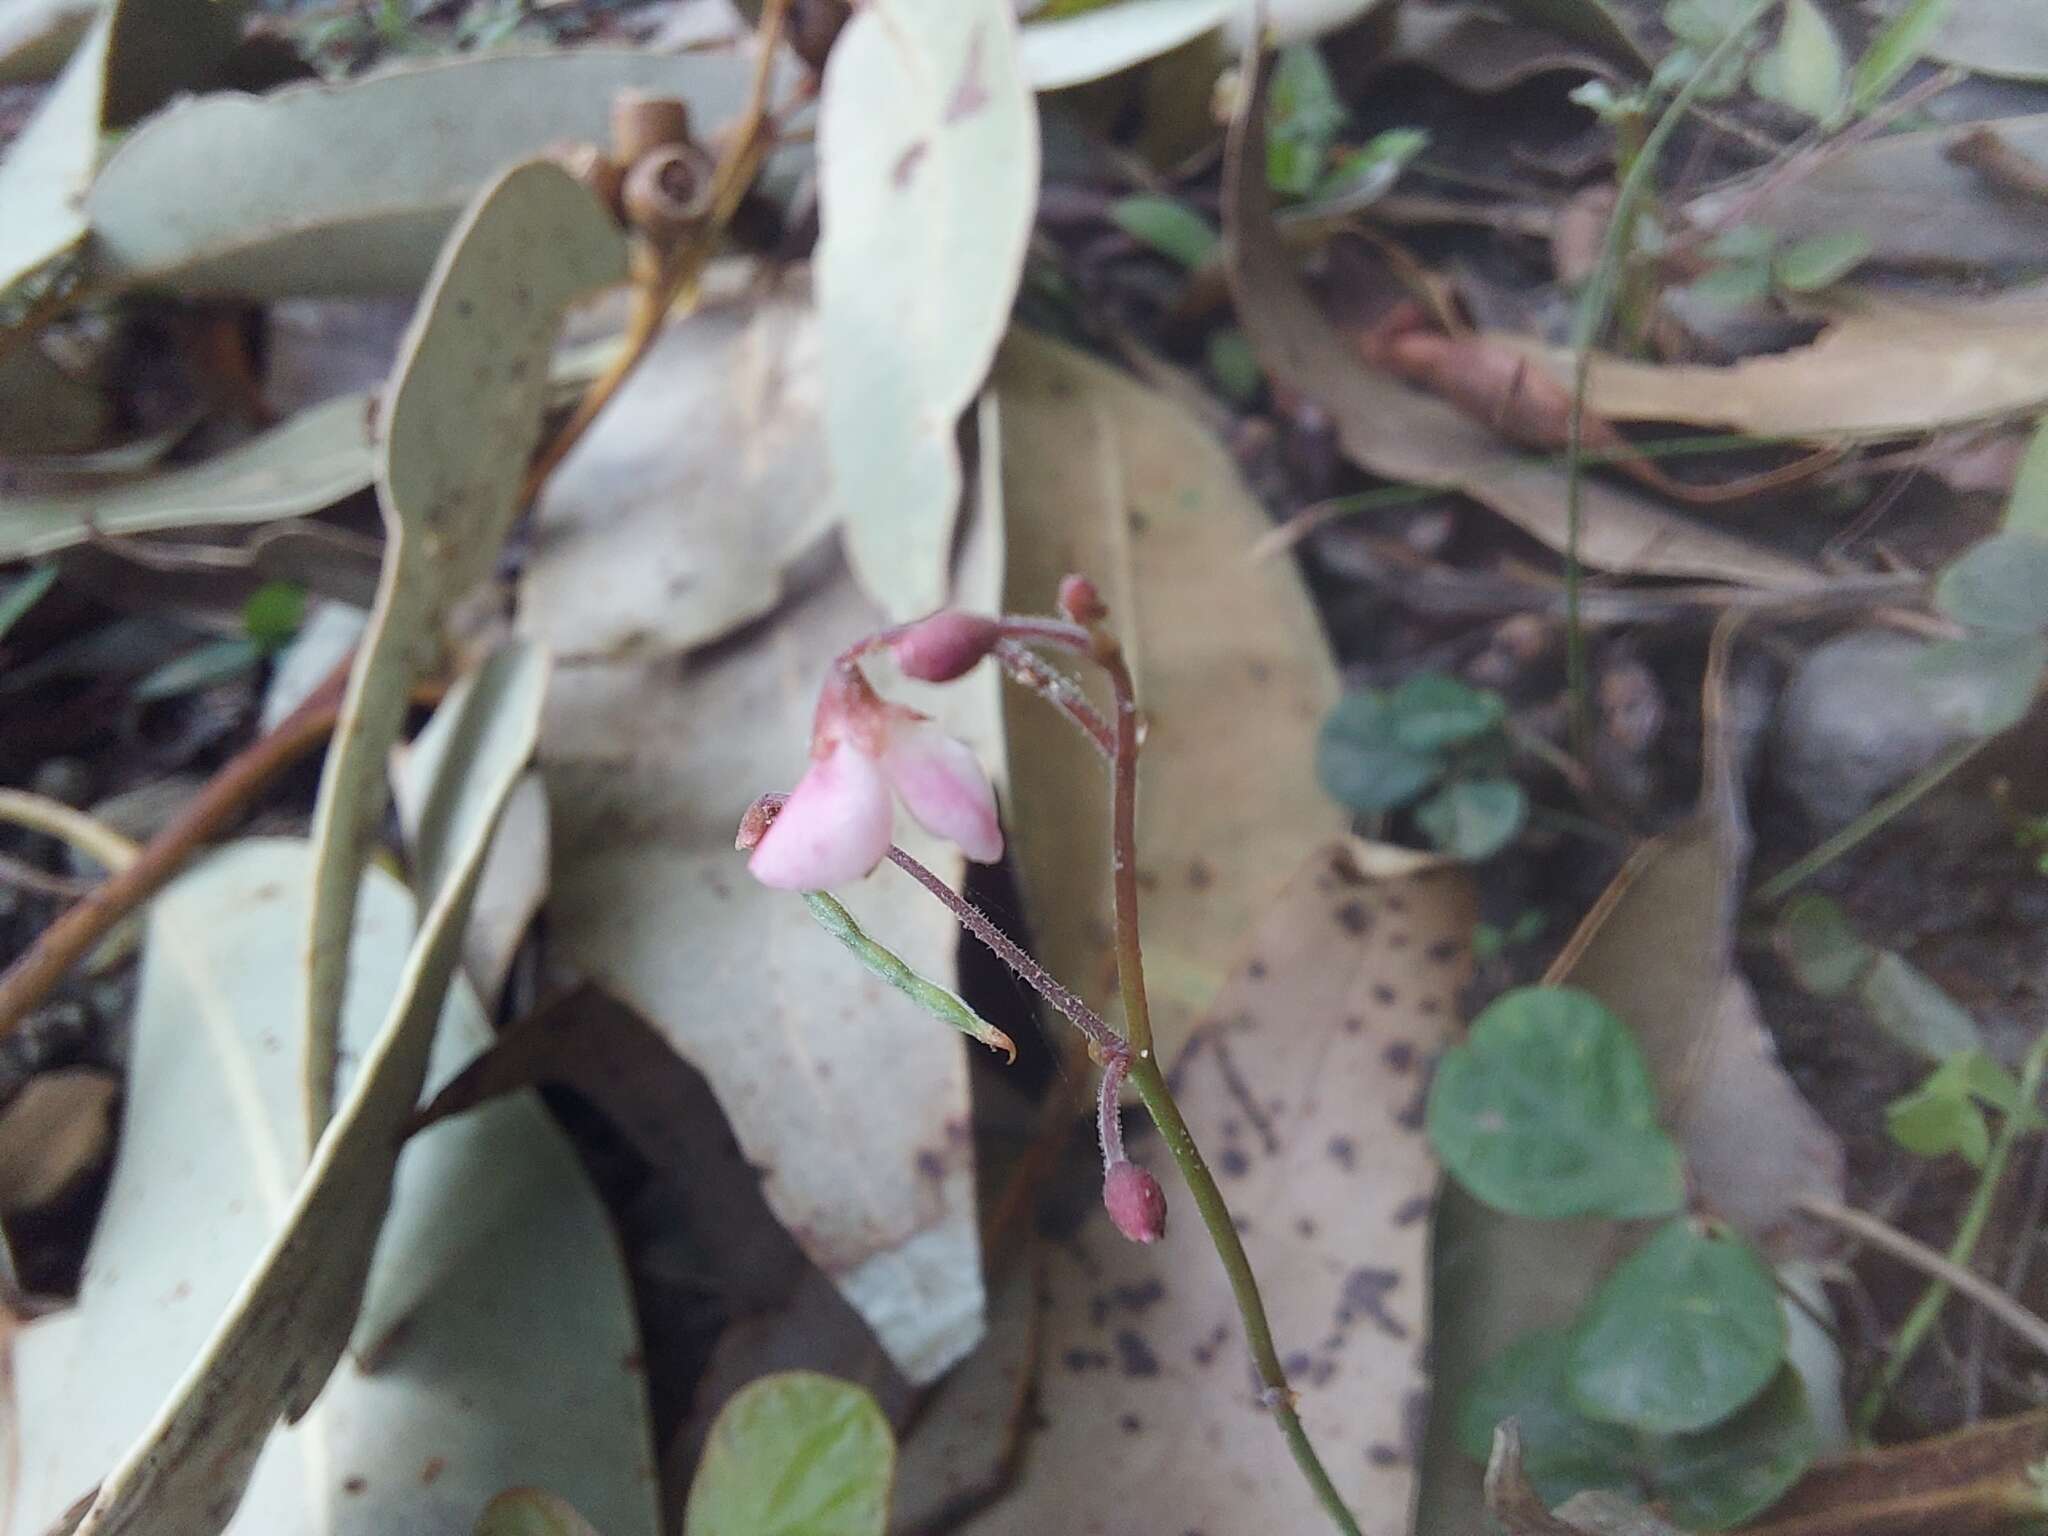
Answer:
(1547, 1110)
(1681, 1335)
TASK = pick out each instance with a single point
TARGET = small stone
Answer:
(1860, 716)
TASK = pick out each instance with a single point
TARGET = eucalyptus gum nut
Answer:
(643, 122)
(667, 192)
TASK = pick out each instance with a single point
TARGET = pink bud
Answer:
(1080, 602)
(944, 646)
(1136, 1202)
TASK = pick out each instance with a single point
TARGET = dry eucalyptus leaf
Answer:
(674, 519)
(352, 187)
(1071, 50)
(1305, 1084)
(311, 461)
(497, 1280)
(1993, 37)
(849, 1100)
(927, 187)
(259, 1344)
(1888, 365)
(1104, 476)
(1919, 207)
(459, 426)
(1476, 49)
(54, 1132)
(962, 1448)
(1395, 432)
(137, 55)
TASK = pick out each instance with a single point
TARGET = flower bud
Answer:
(1080, 602)
(944, 646)
(1136, 1202)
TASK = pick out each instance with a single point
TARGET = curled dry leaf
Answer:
(459, 426)
(1104, 476)
(1476, 49)
(927, 186)
(352, 187)
(673, 520)
(1888, 365)
(1305, 1082)
(848, 1099)
(1392, 431)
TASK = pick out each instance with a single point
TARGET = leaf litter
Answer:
(806, 1174)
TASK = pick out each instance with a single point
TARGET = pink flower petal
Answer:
(834, 828)
(943, 786)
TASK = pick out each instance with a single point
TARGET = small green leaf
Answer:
(1936, 1119)
(1304, 116)
(2027, 512)
(1563, 1451)
(1995, 678)
(1680, 1336)
(1906, 1005)
(891, 967)
(22, 595)
(218, 661)
(1364, 175)
(1547, 1110)
(1735, 1471)
(273, 613)
(1362, 765)
(1168, 226)
(1709, 1480)
(1474, 818)
(1812, 264)
(1745, 242)
(1896, 48)
(1430, 711)
(1732, 286)
(1804, 72)
(795, 1454)
(2000, 584)
(1815, 940)
(1234, 366)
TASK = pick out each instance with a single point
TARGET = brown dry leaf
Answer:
(53, 1133)
(1918, 207)
(1306, 1083)
(1887, 365)
(673, 521)
(1104, 476)
(1977, 1480)
(1395, 432)
(850, 1101)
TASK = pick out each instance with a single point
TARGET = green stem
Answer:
(1922, 1318)
(1797, 873)
(1158, 1100)
(1594, 314)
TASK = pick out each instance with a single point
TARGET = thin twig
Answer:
(977, 922)
(53, 818)
(1968, 1283)
(25, 876)
(226, 795)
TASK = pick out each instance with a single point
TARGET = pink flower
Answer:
(835, 826)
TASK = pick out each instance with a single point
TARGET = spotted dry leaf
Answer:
(1305, 1086)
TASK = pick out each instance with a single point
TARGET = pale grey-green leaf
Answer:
(1071, 50)
(263, 1343)
(2008, 38)
(37, 36)
(928, 183)
(674, 519)
(460, 425)
(310, 462)
(351, 188)
(49, 165)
